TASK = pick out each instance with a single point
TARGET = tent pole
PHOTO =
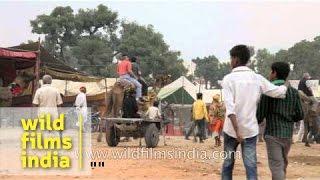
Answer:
(106, 84)
(66, 88)
(181, 122)
(37, 68)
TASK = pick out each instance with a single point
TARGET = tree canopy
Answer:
(303, 56)
(210, 69)
(151, 50)
(91, 38)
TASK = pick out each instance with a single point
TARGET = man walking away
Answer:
(305, 87)
(191, 130)
(81, 104)
(242, 89)
(200, 115)
(47, 98)
(280, 114)
(124, 70)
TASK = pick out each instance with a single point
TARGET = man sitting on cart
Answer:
(153, 112)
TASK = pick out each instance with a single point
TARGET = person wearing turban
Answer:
(216, 116)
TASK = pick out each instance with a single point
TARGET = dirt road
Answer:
(129, 161)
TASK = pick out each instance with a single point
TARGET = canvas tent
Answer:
(96, 91)
(54, 67)
(181, 94)
(180, 91)
(34, 59)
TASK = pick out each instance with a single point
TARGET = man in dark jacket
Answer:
(280, 115)
(304, 85)
(130, 106)
(310, 115)
(137, 72)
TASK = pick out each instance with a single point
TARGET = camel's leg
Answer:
(103, 122)
(102, 126)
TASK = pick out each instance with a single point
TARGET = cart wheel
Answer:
(317, 138)
(151, 136)
(310, 137)
(112, 137)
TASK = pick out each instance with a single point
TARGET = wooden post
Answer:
(106, 84)
(66, 89)
(37, 69)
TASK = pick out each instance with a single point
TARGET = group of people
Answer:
(48, 99)
(203, 121)
(249, 99)
(128, 69)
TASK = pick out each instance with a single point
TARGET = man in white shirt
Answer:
(153, 111)
(81, 104)
(242, 89)
(47, 98)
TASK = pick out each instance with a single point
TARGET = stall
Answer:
(14, 61)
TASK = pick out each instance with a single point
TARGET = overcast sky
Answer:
(192, 27)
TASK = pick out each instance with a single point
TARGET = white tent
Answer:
(183, 86)
(71, 88)
(180, 91)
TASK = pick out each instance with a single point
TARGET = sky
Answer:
(195, 28)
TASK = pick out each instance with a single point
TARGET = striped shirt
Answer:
(280, 114)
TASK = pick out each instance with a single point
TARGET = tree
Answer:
(305, 57)
(97, 42)
(264, 59)
(92, 21)
(90, 38)
(86, 40)
(152, 51)
(224, 69)
(59, 29)
(99, 22)
(207, 68)
(93, 55)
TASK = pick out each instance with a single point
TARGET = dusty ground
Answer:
(304, 163)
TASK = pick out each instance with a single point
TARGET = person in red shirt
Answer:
(124, 70)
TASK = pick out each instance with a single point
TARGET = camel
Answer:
(114, 102)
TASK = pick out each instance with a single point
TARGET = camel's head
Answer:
(23, 79)
(20, 83)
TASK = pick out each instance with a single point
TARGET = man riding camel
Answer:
(138, 74)
(125, 72)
